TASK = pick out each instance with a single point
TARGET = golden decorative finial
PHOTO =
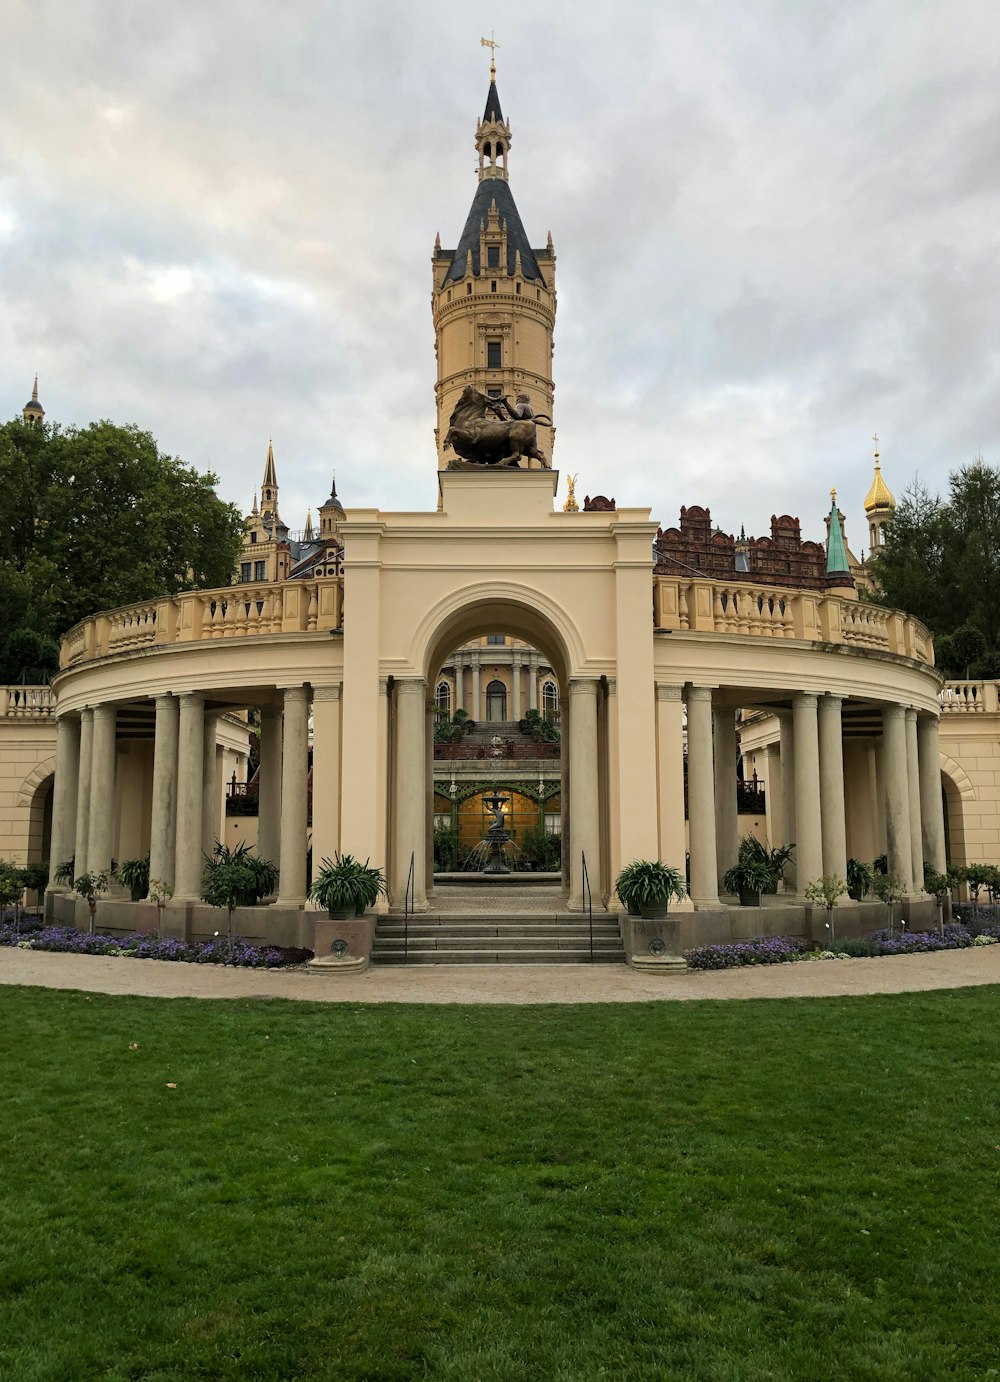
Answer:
(833, 497)
(571, 506)
(492, 46)
(875, 440)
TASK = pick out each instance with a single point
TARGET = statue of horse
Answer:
(501, 440)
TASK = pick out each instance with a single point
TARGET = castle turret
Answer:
(494, 298)
(33, 411)
(879, 506)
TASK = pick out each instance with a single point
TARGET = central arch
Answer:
(521, 613)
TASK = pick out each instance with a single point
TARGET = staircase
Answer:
(497, 925)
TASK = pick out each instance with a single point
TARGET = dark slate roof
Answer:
(32, 406)
(489, 190)
(492, 111)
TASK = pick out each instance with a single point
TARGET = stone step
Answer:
(497, 920)
(498, 957)
(509, 930)
(540, 941)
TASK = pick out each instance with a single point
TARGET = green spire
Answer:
(836, 552)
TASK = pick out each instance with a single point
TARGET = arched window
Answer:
(550, 701)
(442, 700)
(496, 701)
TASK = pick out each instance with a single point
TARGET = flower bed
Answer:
(142, 946)
(772, 950)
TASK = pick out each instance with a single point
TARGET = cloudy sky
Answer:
(776, 222)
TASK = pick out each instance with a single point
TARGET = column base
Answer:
(292, 903)
(659, 964)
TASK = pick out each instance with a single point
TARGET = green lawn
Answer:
(799, 1189)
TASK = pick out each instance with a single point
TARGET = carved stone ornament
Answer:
(493, 431)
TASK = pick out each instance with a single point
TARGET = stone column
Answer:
(163, 823)
(670, 779)
(515, 681)
(786, 741)
(210, 800)
(831, 786)
(101, 844)
(429, 798)
(188, 865)
(701, 799)
(931, 806)
(269, 785)
(459, 680)
(773, 798)
(477, 709)
(727, 839)
(64, 793)
(326, 774)
(584, 788)
(897, 796)
(913, 794)
(83, 792)
(533, 681)
(809, 845)
(410, 804)
(293, 844)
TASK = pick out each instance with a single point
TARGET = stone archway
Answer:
(960, 804)
(35, 796)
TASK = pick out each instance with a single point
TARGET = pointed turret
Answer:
(307, 532)
(269, 514)
(331, 512)
(837, 563)
(33, 411)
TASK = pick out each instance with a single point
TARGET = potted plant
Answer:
(859, 879)
(749, 877)
(134, 875)
(824, 892)
(646, 886)
(346, 887)
(259, 877)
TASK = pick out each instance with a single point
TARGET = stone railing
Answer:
(27, 703)
(970, 698)
(194, 616)
(760, 611)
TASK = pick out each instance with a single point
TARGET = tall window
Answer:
(493, 256)
(494, 356)
(550, 701)
(244, 570)
(260, 570)
(496, 701)
(442, 700)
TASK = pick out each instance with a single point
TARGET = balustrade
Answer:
(27, 703)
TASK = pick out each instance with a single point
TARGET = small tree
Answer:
(888, 890)
(160, 894)
(939, 886)
(90, 886)
(10, 892)
(824, 892)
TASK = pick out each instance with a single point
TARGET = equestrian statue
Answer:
(499, 440)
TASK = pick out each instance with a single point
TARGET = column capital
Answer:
(383, 686)
(327, 693)
(892, 711)
(191, 697)
(295, 695)
(911, 714)
(701, 694)
(664, 692)
(583, 686)
(106, 710)
(410, 686)
(829, 701)
(163, 696)
(805, 700)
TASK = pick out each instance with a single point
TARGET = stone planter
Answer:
(653, 944)
(749, 899)
(342, 945)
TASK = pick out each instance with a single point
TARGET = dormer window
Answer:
(493, 256)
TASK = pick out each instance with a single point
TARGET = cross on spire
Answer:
(492, 45)
(875, 440)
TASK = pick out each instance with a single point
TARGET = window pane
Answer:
(494, 358)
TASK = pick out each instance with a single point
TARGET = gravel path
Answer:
(503, 983)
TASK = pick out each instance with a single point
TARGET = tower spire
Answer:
(33, 410)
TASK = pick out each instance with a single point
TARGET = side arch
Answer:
(960, 808)
(26, 792)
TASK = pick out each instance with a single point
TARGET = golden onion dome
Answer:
(879, 496)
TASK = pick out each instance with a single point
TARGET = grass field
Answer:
(788, 1189)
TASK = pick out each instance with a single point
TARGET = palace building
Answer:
(677, 664)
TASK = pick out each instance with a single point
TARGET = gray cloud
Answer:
(775, 227)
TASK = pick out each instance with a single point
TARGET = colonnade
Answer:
(184, 810)
(806, 789)
(526, 679)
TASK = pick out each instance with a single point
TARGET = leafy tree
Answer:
(941, 562)
(93, 518)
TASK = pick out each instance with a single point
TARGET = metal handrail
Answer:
(587, 899)
(410, 887)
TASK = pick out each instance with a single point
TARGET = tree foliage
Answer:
(941, 562)
(94, 518)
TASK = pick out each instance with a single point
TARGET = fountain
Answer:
(496, 853)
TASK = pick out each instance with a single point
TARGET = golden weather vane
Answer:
(492, 45)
